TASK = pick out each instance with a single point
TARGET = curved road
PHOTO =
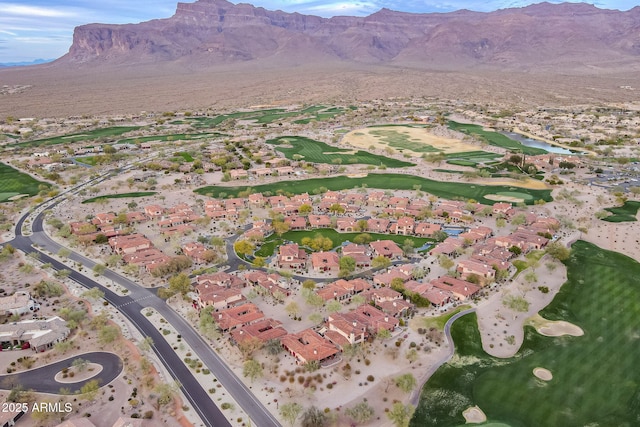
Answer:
(42, 379)
(415, 395)
(130, 307)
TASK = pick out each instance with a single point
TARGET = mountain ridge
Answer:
(206, 33)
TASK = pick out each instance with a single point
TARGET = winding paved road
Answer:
(130, 307)
(42, 379)
(415, 395)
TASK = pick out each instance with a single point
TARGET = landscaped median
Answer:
(384, 181)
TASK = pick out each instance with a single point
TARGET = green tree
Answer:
(165, 392)
(90, 390)
(108, 334)
(19, 395)
(47, 289)
(99, 269)
(336, 209)
(516, 303)
(314, 300)
(401, 414)
(252, 369)
(305, 209)
(309, 285)
(64, 253)
(445, 262)
(558, 251)
(273, 347)
(380, 262)
(180, 284)
(362, 238)
(515, 250)
(244, 247)
(313, 417)
(334, 306)
(80, 364)
(290, 412)
(94, 294)
(146, 344)
(259, 262)
(519, 219)
(406, 382)
(347, 266)
(62, 274)
(292, 309)
(207, 324)
(46, 416)
(216, 242)
(361, 413)
(383, 334)
(408, 247)
(280, 227)
(315, 318)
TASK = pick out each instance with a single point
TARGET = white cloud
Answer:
(34, 11)
(331, 9)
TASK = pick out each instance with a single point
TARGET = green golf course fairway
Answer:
(13, 183)
(625, 213)
(595, 382)
(384, 181)
(319, 152)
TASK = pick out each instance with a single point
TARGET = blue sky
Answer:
(31, 29)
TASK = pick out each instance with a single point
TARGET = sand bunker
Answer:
(341, 152)
(543, 374)
(18, 196)
(554, 328)
(531, 184)
(357, 175)
(474, 415)
(366, 138)
(499, 198)
(560, 328)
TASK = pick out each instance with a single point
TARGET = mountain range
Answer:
(570, 36)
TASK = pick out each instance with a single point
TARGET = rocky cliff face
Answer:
(215, 31)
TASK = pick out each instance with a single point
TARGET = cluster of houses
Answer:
(244, 321)
(292, 256)
(137, 249)
(262, 172)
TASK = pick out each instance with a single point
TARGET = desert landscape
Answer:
(237, 216)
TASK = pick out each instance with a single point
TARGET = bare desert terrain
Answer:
(52, 90)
